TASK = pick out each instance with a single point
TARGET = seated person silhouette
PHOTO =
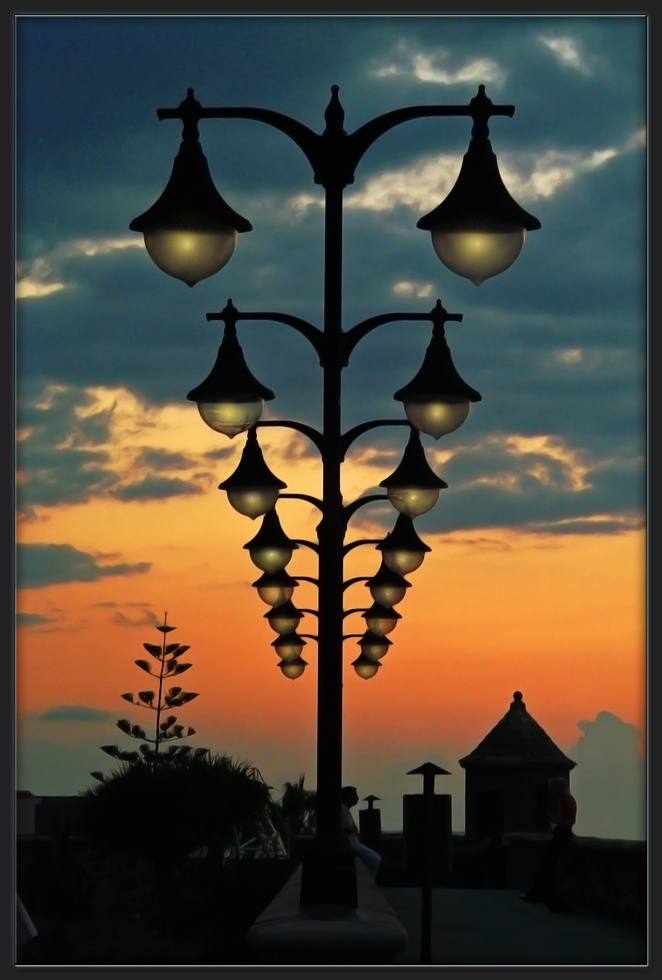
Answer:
(349, 798)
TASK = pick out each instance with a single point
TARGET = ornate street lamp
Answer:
(191, 233)
(284, 618)
(437, 400)
(478, 230)
(402, 549)
(293, 668)
(271, 549)
(381, 619)
(373, 645)
(252, 488)
(230, 399)
(387, 587)
(413, 488)
(275, 588)
(365, 667)
(289, 647)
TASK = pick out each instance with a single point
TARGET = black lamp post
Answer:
(190, 233)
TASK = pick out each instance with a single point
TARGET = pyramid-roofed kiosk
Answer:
(506, 775)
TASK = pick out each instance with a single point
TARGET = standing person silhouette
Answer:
(562, 815)
(349, 797)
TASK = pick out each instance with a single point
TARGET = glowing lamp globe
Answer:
(189, 247)
(480, 252)
(365, 667)
(284, 618)
(293, 668)
(381, 619)
(435, 417)
(231, 418)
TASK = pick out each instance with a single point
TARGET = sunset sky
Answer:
(536, 578)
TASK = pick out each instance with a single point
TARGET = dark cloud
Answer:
(41, 565)
(156, 488)
(56, 459)
(73, 712)
(161, 459)
(57, 463)
(214, 455)
(490, 486)
(32, 619)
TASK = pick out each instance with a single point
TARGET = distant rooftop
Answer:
(517, 740)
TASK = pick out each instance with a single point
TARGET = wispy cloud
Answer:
(144, 617)
(44, 274)
(567, 51)
(27, 619)
(433, 67)
(153, 488)
(528, 177)
(41, 565)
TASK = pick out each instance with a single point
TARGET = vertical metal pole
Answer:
(331, 535)
(426, 890)
(426, 885)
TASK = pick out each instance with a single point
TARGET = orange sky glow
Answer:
(553, 614)
(559, 617)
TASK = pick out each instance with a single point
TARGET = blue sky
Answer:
(556, 345)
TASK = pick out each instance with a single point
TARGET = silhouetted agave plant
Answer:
(167, 666)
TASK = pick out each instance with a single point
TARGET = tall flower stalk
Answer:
(166, 729)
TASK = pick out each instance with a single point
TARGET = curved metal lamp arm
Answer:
(334, 155)
(190, 111)
(308, 636)
(365, 136)
(356, 544)
(350, 509)
(353, 581)
(356, 333)
(349, 612)
(348, 636)
(310, 332)
(307, 430)
(307, 544)
(348, 437)
(315, 501)
(313, 612)
(306, 578)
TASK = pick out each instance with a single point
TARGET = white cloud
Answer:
(550, 171)
(421, 186)
(31, 287)
(432, 67)
(570, 355)
(419, 289)
(42, 275)
(303, 201)
(637, 139)
(567, 51)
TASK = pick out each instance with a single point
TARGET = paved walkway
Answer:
(481, 927)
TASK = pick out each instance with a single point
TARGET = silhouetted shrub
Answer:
(163, 812)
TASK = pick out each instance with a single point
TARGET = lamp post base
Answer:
(328, 877)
